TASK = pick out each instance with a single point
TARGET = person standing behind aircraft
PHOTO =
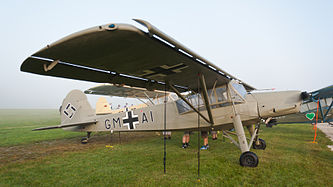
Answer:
(186, 139)
(214, 135)
(204, 135)
(167, 134)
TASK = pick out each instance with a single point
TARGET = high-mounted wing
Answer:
(124, 54)
(124, 91)
(322, 93)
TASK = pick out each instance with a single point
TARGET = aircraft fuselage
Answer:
(257, 106)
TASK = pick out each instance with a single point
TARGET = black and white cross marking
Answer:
(164, 70)
(130, 120)
(70, 110)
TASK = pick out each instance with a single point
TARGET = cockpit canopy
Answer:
(218, 97)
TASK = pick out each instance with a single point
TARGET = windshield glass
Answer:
(240, 89)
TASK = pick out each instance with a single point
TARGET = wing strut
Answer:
(206, 98)
(149, 98)
(165, 113)
(141, 100)
(321, 111)
(198, 135)
(328, 110)
(188, 103)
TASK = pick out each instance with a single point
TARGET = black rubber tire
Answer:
(249, 159)
(84, 140)
(261, 146)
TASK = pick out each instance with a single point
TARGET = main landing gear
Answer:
(85, 139)
(247, 158)
(259, 144)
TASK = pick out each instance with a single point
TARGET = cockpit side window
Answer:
(193, 99)
(221, 94)
(211, 95)
(182, 106)
(218, 97)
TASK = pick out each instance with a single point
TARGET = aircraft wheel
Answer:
(248, 159)
(84, 140)
(262, 144)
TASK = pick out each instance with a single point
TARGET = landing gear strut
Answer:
(258, 143)
(85, 139)
(247, 158)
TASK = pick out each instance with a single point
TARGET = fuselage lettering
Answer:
(116, 122)
(144, 118)
(151, 115)
(107, 124)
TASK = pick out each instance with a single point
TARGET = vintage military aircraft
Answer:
(145, 64)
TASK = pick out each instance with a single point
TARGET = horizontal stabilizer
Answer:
(66, 125)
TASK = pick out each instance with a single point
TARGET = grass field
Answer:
(16, 126)
(56, 157)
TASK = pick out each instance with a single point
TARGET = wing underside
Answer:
(124, 54)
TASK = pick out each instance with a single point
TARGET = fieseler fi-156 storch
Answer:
(149, 64)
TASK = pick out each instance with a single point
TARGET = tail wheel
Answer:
(261, 145)
(248, 159)
(84, 140)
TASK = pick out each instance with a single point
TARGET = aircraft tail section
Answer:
(102, 106)
(76, 108)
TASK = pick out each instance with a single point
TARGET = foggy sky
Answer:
(287, 45)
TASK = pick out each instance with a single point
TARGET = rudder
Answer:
(75, 108)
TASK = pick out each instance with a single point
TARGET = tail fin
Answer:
(75, 108)
(102, 106)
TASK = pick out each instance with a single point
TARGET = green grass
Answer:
(289, 160)
(16, 126)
